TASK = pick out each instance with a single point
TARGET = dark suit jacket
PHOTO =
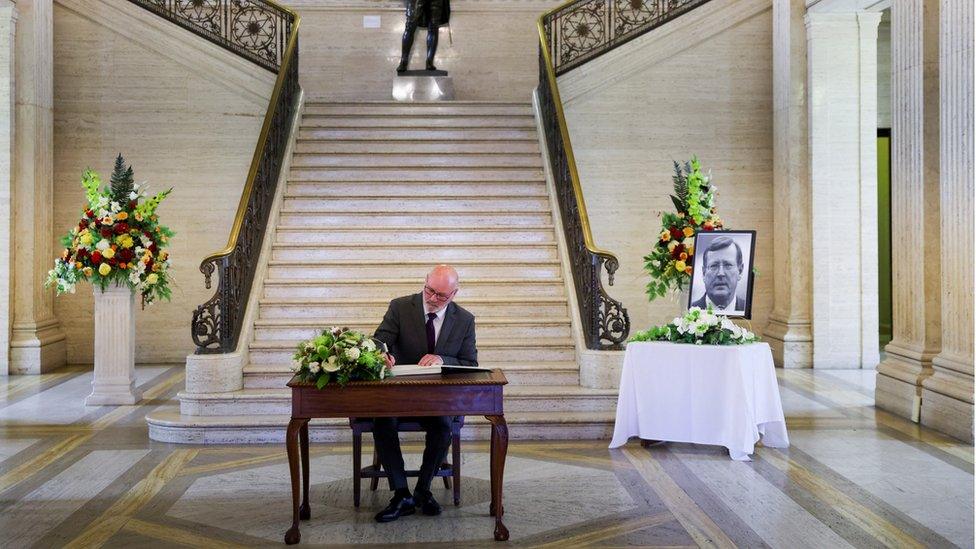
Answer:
(404, 331)
(737, 306)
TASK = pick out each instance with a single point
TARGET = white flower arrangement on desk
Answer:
(700, 327)
(339, 355)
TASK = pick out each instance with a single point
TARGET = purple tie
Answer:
(430, 331)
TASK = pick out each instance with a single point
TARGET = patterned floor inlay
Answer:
(74, 476)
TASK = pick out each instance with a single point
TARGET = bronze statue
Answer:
(432, 14)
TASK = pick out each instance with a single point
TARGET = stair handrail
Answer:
(265, 33)
(582, 30)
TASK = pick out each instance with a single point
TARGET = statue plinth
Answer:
(423, 85)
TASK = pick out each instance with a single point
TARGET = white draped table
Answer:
(705, 394)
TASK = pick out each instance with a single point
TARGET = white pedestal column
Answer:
(115, 348)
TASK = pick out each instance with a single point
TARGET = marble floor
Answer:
(853, 477)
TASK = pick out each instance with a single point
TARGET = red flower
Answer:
(126, 255)
(82, 225)
(82, 253)
(90, 214)
(121, 228)
(96, 257)
(132, 204)
(113, 261)
(676, 233)
(152, 248)
(106, 232)
(676, 252)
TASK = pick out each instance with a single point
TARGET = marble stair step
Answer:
(541, 269)
(275, 376)
(489, 350)
(395, 251)
(371, 173)
(166, 424)
(415, 204)
(400, 189)
(475, 219)
(416, 160)
(419, 121)
(447, 108)
(373, 308)
(334, 146)
(388, 288)
(399, 236)
(518, 398)
(419, 135)
(300, 329)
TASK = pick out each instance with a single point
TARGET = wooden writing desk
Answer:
(467, 394)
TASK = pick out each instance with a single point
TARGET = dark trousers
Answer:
(387, 439)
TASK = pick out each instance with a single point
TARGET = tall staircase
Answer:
(377, 194)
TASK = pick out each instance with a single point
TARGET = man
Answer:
(424, 13)
(722, 266)
(426, 329)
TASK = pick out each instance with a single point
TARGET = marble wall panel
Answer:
(177, 115)
(712, 98)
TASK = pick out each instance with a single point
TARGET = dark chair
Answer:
(375, 471)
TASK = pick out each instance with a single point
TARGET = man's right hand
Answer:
(389, 360)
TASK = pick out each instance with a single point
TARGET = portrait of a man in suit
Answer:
(429, 329)
(721, 268)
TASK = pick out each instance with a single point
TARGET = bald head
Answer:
(441, 285)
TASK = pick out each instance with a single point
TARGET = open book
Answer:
(416, 370)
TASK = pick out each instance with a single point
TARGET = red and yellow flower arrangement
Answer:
(669, 264)
(118, 240)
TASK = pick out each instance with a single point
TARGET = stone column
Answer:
(788, 331)
(8, 21)
(947, 396)
(842, 59)
(37, 341)
(916, 227)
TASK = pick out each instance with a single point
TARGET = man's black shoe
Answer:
(399, 506)
(428, 505)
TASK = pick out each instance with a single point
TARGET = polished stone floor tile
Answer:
(854, 476)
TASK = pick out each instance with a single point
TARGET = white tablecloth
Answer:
(704, 394)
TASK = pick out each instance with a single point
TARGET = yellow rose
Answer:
(107, 220)
(672, 245)
(665, 236)
(87, 270)
(152, 278)
(122, 216)
(138, 216)
(104, 269)
(679, 265)
(124, 240)
(85, 237)
(691, 250)
(109, 253)
(163, 255)
(157, 267)
(689, 231)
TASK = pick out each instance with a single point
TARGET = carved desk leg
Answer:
(304, 512)
(293, 535)
(499, 448)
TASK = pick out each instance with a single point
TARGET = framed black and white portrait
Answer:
(722, 272)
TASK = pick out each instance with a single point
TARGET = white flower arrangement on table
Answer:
(339, 355)
(700, 327)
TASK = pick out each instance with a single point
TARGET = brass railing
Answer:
(581, 30)
(254, 29)
(216, 325)
(605, 320)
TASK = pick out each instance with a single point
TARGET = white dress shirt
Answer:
(730, 308)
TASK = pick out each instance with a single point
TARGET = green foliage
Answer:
(339, 355)
(122, 181)
(698, 327)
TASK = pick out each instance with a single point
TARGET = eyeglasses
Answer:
(438, 295)
(725, 266)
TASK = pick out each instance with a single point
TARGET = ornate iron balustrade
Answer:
(257, 30)
(217, 324)
(582, 30)
(605, 320)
